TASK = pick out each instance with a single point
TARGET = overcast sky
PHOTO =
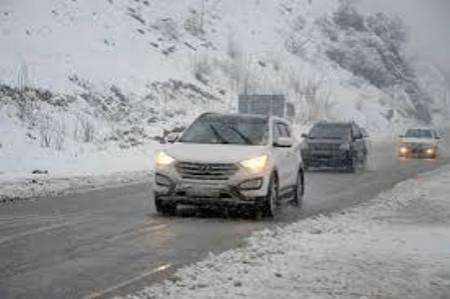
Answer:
(429, 22)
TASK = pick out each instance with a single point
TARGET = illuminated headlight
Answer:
(254, 184)
(255, 165)
(430, 151)
(162, 159)
(403, 150)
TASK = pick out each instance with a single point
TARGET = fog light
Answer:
(162, 180)
(254, 184)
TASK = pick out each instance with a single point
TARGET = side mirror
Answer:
(304, 135)
(438, 137)
(283, 142)
(172, 137)
(401, 136)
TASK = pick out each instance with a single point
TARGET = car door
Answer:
(281, 156)
(292, 157)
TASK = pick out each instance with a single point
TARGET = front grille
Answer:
(325, 146)
(416, 148)
(206, 171)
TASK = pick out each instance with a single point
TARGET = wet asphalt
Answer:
(111, 242)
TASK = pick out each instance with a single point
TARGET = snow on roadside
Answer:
(64, 173)
(396, 246)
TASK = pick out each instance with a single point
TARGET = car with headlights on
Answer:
(419, 143)
(335, 144)
(235, 161)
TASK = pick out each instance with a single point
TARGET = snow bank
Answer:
(397, 246)
(29, 171)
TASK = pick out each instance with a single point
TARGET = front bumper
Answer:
(208, 193)
(325, 158)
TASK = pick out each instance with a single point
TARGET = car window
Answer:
(287, 130)
(222, 129)
(419, 133)
(330, 131)
(282, 130)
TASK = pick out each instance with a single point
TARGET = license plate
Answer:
(196, 190)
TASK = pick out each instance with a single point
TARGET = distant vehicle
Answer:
(272, 105)
(230, 160)
(335, 145)
(419, 143)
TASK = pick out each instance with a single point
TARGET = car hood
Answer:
(213, 153)
(423, 141)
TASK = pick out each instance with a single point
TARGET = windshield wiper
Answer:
(246, 139)
(217, 134)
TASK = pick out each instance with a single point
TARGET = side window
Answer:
(286, 130)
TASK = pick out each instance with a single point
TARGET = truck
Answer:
(266, 104)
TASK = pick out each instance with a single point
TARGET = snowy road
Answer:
(111, 242)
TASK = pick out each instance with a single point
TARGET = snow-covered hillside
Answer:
(89, 75)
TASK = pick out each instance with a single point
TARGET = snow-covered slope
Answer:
(86, 75)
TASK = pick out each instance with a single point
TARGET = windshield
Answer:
(225, 129)
(330, 131)
(418, 133)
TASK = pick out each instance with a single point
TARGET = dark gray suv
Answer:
(335, 145)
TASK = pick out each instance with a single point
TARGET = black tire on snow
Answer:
(165, 209)
(298, 196)
(270, 204)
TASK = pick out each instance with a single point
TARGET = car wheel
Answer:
(271, 198)
(165, 209)
(299, 190)
(352, 164)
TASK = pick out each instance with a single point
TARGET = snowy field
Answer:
(49, 174)
(396, 246)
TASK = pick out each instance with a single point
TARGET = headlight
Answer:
(162, 159)
(403, 150)
(430, 151)
(255, 165)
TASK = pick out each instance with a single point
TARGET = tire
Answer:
(271, 202)
(352, 164)
(299, 189)
(165, 209)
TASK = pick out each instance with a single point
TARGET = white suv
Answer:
(228, 160)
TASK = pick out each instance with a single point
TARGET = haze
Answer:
(429, 22)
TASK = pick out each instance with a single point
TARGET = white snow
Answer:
(167, 70)
(396, 246)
